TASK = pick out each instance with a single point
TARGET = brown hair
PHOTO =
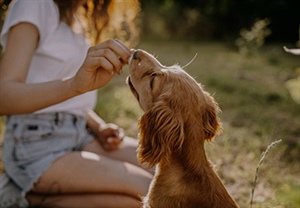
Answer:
(102, 19)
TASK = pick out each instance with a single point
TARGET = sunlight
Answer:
(90, 156)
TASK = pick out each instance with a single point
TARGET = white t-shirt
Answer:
(60, 51)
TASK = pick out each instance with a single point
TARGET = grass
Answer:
(256, 111)
(257, 168)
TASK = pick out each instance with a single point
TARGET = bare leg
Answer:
(87, 201)
(86, 172)
(126, 152)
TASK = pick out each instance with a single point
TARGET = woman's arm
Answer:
(17, 97)
(95, 122)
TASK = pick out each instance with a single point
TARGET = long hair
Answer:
(102, 19)
(98, 19)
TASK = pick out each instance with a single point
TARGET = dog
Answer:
(179, 116)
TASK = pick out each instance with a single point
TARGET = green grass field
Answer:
(256, 107)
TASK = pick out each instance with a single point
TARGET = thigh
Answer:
(83, 200)
(126, 152)
(86, 172)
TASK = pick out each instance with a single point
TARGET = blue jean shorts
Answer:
(33, 141)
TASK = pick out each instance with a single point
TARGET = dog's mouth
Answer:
(133, 90)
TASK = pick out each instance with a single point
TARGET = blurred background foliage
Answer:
(219, 19)
(214, 19)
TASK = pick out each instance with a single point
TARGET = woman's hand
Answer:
(102, 62)
(110, 136)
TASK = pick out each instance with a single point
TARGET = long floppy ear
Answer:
(210, 120)
(161, 132)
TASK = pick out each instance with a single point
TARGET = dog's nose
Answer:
(135, 54)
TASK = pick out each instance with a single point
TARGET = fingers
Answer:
(108, 60)
(113, 130)
(112, 143)
(101, 63)
(113, 137)
(112, 53)
(128, 50)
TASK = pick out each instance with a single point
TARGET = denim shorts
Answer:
(33, 141)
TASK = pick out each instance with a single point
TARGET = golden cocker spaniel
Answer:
(179, 116)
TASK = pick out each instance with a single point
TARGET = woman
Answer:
(48, 77)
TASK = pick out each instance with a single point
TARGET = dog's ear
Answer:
(161, 132)
(210, 120)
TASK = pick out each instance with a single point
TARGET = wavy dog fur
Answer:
(179, 116)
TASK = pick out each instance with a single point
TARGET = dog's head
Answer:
(174, 105)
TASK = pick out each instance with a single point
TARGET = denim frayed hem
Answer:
(10, 194)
